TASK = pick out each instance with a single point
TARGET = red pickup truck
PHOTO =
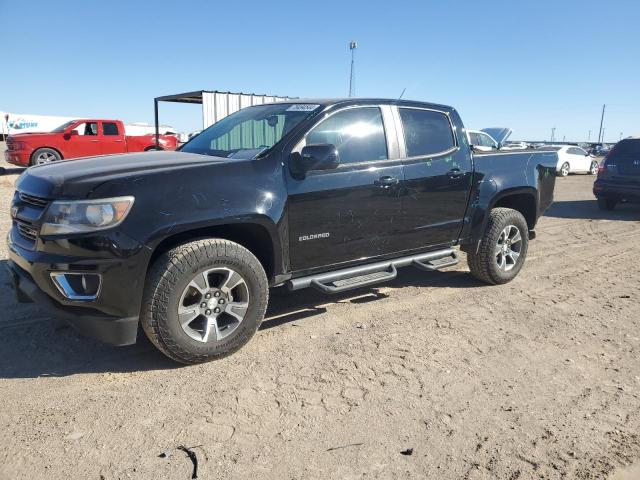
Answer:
(80, 138)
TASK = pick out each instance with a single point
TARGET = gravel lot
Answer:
(430, 376)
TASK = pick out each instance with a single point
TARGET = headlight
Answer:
(80, 216)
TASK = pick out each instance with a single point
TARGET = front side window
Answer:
(250, 131)
(87, 128)
(109, 128)
(357, 133)
(426, 132)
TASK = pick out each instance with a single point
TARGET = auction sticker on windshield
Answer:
(302, 107)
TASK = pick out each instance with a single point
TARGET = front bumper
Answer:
(113, 316)
(112, 330)
(17, 157)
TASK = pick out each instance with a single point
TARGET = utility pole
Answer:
(589, 137)
(553, 134)
(601, 134)
(352, 79)
(564, 138)
(602, 141)
(620, 135)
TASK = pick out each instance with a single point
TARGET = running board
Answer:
(365, 275)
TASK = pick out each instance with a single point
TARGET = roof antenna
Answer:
(403, 90)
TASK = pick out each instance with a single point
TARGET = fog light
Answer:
(77, 286)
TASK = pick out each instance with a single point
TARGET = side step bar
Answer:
(365, 275)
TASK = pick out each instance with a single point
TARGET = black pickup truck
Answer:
(329, 194)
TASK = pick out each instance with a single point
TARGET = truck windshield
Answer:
(250, 131)
(63, 127)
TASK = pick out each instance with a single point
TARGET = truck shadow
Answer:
(34, 345)
(588, 209)
(11, 170)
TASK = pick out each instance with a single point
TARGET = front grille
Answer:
(33, 200)
(26, 230)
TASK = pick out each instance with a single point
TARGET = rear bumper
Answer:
(630, 193)
(112, 330)
(17, 157)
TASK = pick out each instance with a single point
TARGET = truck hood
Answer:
(77, 178)
(499, 134)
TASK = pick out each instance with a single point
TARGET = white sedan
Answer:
(573, 160)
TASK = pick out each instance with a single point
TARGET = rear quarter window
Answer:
(426, 132)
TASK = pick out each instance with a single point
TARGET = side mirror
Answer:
(70, 133)
(319, 157)
(499, 146)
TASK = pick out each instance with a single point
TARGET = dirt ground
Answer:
(430, 376)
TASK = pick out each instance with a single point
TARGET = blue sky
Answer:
(530, 65)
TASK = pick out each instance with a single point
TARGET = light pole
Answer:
(352, 78)
(589, 137)
(553, 133)
(601, 134)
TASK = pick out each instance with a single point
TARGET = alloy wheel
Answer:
(508, 248)
(213, 304)
(45, 157)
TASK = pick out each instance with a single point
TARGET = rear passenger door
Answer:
(438, 175)
(112, 140)
(353, 211)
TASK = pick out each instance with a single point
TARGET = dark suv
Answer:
(327, 194)
(619, 175)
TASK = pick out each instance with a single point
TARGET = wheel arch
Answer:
(57, 150)
(523, 200)
(253, 236)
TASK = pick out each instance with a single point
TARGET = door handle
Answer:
(455, 173)
(118, 141)
(95, 141)
(386, 182)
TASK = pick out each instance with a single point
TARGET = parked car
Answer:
(80, 138)
(619, 175)
(328, 194)
(481, 141)
(573, 159)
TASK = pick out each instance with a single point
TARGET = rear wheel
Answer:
(594, 168)
(503, 247)
(42, 156)
(204, 300)
(606, 203)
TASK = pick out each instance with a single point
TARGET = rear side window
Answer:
(110, 128)
(426, 132)
(357, 134)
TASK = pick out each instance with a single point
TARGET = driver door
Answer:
(84, 143)
(353, 211)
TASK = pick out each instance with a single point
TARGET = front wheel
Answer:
(42, 156)
(204, 300)
(503, 247)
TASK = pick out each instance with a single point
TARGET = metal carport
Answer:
(215, 104)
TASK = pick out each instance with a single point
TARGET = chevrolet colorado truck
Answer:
(328, 194)
(80, 138)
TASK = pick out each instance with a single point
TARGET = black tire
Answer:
(37, 157)
(607, 203)
(594, 168)
(564, 170)
(483, 264)
(168, 278)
